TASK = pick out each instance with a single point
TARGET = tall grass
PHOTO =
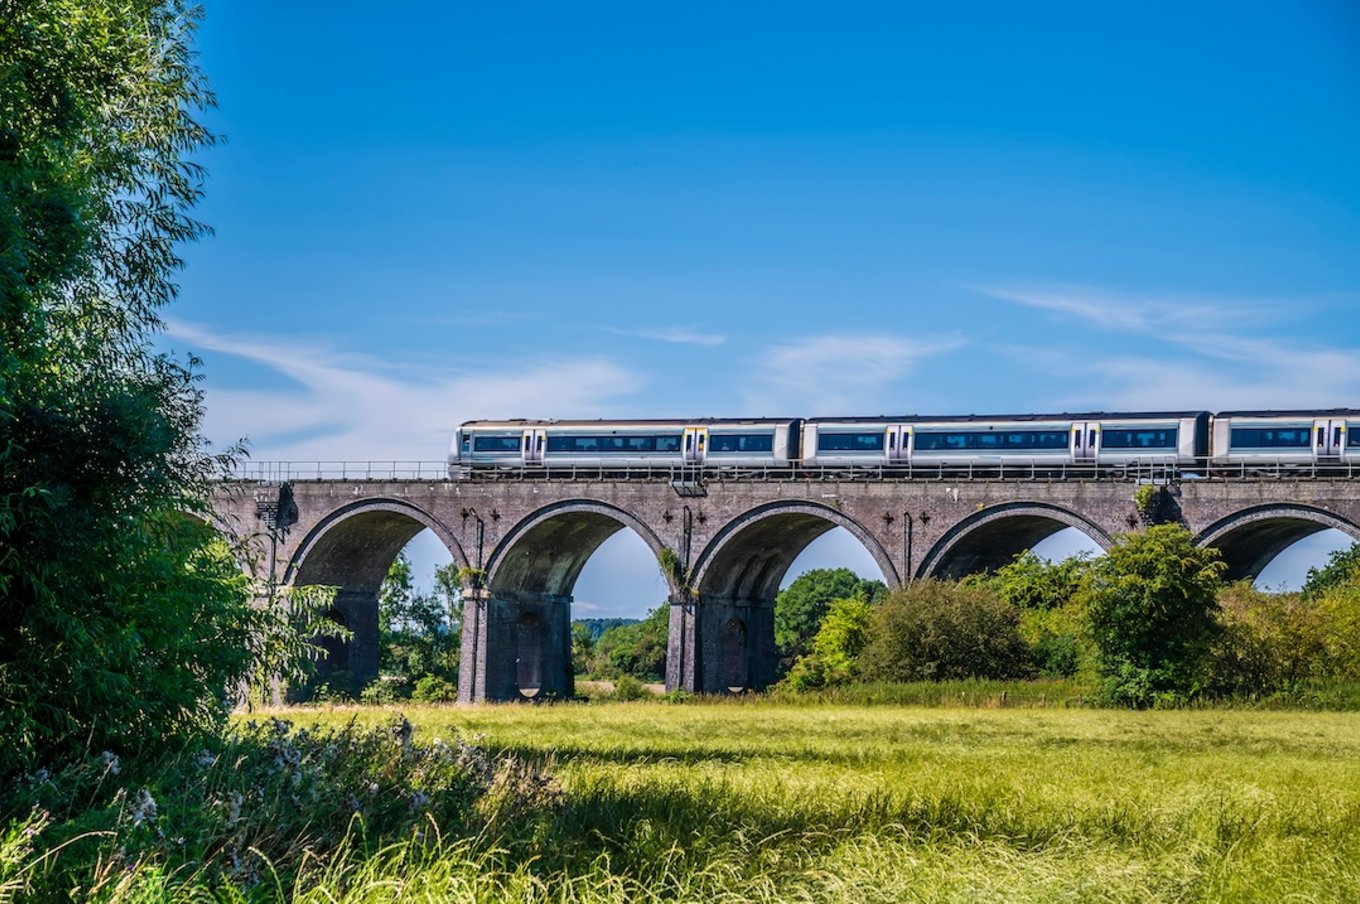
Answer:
(776, 801)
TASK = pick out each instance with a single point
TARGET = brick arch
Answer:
(351, 549)
(1250, 538)
(749, 556)
(356, 544)
(992, 537)
(546, 550)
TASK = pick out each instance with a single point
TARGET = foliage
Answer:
(836, 648)
(1052, 616)
(595, 627)
(266, 798)
(801, 606)
(628, 688)
(637, 649)
(1152, 603)
(941, 630)
(671, 567)
(1270, 642)
(418, 632)
(1343, 567)
(433, 689)
(1030, 582)
(124, 620)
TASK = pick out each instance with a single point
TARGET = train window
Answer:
(849, 442)
(1270, 437)
(613, 445)
(733, 442)
(1120, 438)
(496, 444)
(991, 441)
(1353, 435)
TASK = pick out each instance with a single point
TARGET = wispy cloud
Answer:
(341, 406)
(1141, 312)
(680, 335)
(838, 374)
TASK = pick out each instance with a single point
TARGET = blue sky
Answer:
(427, 213)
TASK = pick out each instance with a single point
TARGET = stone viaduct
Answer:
(723, 546)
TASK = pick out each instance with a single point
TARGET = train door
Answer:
(1085, 441)
(695, 445)
(535, 441)
(895, 443)
(1329, 440)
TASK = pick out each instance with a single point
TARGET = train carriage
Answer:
(608, 445)
(1290, 438)
(1098, 438)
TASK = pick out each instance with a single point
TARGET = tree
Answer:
(1152, 604)
(637, 649)
(418, 632)
(941, 631)
(801, 606)
(1342, 567)
(124, 619)
(836, 648)
(1052, 612)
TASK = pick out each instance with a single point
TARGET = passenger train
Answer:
(1100, 439)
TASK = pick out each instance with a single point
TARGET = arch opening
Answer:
(1288, 571)
(750, 559)
(725, 642)
(1252, 540)
(352, 549)
(533, 576)
(837, 548)
(993, 538)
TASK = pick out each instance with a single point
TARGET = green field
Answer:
(770, 801)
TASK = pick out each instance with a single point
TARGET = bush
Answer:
(433, 689)
(1152, 603)
(800, 607)
(637, 649)
(836, 648)
(1053, 617)
(937, 630)
(1269, 641)
(629, 688)
(265, 798)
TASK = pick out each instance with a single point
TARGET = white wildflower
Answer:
(234, 809)
(143, 808)
(111, 763)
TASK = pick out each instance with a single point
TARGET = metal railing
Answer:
(280, 471)
(687, 475)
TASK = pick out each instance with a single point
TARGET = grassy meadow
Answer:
(780, 801)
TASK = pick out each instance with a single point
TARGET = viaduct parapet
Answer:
(723, 547)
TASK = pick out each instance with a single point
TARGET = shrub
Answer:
(629, 688)
(637, 649)
(1269, 641)
(1152, 602)
(433, 689)
(836, 648)
(800, 607)
(386, 689)
(266, 797)
(938, 630)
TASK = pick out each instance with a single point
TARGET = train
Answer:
(1113, 440)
